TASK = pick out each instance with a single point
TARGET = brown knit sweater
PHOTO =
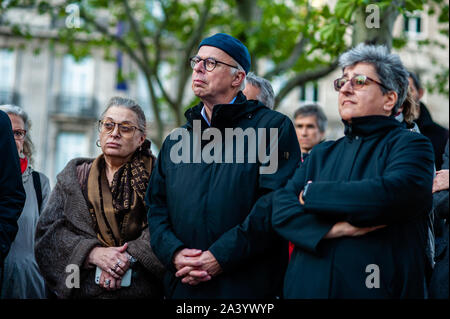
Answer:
(65, 235)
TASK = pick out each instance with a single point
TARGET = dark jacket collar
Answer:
(224, 115)
(424, 117)
(370, 125)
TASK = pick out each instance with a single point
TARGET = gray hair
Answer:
(28, 147)
(313, 110)
(129, 104)
(266, 95)
(234, 71)
(388, 66)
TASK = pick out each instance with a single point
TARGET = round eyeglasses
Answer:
(209, 63)
(19, 134)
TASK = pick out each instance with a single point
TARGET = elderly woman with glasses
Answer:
(21, 277)
(92, 239)
(357, 209)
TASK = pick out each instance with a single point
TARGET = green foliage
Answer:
(272, 30)
(440, 83)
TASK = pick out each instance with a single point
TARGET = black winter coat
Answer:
(213, 207)
(12, 194)
(377, 174)
(439, 281)
(437, 134)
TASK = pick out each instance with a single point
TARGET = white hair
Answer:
(234, 71)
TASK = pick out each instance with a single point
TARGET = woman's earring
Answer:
(98, 143)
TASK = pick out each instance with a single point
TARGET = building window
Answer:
(7, 72)
(77, 87)
(309, 93)
(413, 25)
(78, 76)
(68, 146)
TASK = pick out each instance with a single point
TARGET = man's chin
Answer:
(197, 91)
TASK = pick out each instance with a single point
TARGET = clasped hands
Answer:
(195, 266)
(440, 182)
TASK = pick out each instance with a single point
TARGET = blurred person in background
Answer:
(310, 123)
(260, 89)
(22, 279)
(437, 134)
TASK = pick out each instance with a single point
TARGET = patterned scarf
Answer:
(119, 210)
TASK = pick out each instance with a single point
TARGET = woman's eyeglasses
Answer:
(126, 130)
(19, 134)
(357, 82)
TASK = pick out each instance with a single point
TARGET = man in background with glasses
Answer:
(12, 194)
(209, 222)
(357, 208)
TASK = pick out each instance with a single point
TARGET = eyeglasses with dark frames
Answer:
(125, 130)
(19, 134)
(357, 82)
(209, 63)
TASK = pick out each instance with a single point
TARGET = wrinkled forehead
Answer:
(120, 114)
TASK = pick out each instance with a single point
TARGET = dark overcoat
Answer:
(439, 279)
(214, 206)
(437, 134)
(377, 174)
(12, 193)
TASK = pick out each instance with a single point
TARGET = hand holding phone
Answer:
(125, 281)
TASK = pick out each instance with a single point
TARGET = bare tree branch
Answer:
(157, 41)
(304, 77)
(120, 41)
(142, 65)
(285, 65)
(296, 53)
(137, 32)
(144, 51)
(193, 41)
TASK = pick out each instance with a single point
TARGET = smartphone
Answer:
(126, 279)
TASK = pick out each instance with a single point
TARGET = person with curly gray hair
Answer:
(357, 208)
(22, 279)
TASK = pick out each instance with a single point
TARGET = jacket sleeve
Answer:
(12, 193)
(61, 243)
(401, 192)
(440, 199)
(289, 219)
(164, 242)
(255, 234)
(141, 249)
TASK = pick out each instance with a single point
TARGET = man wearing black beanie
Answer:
(209, 213)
